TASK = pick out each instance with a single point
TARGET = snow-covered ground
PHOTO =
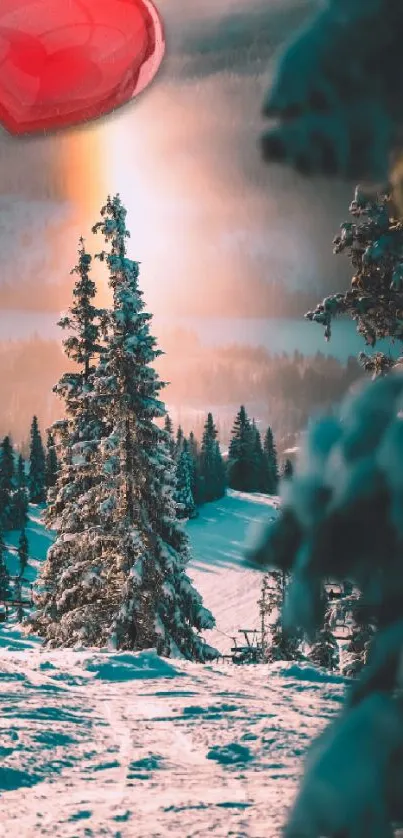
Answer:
(97, 744)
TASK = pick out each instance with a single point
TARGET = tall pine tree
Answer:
(169, 430)
(20, 497)
(51, 461)
(130, 588)
(257, 478)
(271, 475)
(325, 652)
(69, 574)
(241, 454)
(279, 644)
(4, 574)
(179, 442)
(362, 634)
(195, 480)
(186, 507)
(36, 478)
(211, 468)
(23, 552)
(6, 482)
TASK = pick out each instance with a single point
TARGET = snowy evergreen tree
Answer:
(51, 461)
(220, 475)
(362, 634)
(278, 643)
(17, 595)
(284, 644)
(6, 482)
(128, 587)
(324, 651)
(4, 574)
(36, 478)
(179, 442)
(195, 480)
(186, 507)
(20, 496)
(265, 610)
(374, 244)
(23, 552)
(241, 454)
(73, 510)
(271, 475)
(257, 476)
(211, 468)
(169, 430)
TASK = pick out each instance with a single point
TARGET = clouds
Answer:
(232, 36)
(217, 69)
(210, 214)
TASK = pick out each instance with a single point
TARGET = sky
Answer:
(209, 221)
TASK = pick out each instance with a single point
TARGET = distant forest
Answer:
(280, 390)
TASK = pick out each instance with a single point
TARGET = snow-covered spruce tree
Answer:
(342, 517)
(265, 610)
(140, 595)
(51, 461)
(195, 482)
(6, 482)
(169, 430)
(362, 633)
(324, 651)
(17, 595)
(23, 551)
(271, 475)
(20, 496)
(257, 476)
(374, 244)
(241, 453)
(284, 645)
(211, 469)
(4, 574)
(220, 475)
(179, 442)
(36, 478)
(67, 580)
(186, 507)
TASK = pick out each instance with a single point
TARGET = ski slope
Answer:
(130, 745)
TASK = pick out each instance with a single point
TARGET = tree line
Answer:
(20, 485)
(278, 389)
(203, 473)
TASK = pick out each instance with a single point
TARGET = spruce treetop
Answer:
(81, 318)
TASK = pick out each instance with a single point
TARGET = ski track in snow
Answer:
(129, 745)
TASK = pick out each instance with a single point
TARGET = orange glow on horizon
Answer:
(81, 160)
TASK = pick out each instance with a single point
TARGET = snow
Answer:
(94, 743)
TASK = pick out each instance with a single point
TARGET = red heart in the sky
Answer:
(66, 61)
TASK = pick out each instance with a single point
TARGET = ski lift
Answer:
(251, 652)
